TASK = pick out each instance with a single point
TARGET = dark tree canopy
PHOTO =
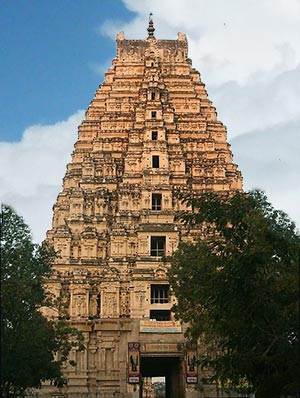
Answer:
(32, 348)
(238, 289)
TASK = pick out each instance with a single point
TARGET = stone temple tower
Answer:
(150, 134)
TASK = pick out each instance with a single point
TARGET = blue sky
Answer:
(54, 55)
(49, 53)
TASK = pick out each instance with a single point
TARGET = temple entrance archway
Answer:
(170, 368)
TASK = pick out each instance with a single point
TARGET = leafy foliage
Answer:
(238, 289)
(33, 348)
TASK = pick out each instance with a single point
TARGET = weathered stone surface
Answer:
(150, 133)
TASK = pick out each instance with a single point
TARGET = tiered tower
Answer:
(150, 133)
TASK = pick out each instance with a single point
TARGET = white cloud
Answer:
(235, 40)
(231, 40)
(270, 160)
(259, 103)
(248, 55)
(32, 169)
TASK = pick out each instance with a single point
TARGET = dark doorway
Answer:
(154, 135)
(168, 367)
(155, 161)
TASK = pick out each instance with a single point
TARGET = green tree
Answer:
(32, 348)
(238, 290)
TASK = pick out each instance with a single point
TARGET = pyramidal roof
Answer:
(150, 133)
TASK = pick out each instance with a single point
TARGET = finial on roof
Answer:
(150, 28)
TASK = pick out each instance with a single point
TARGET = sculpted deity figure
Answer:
(79, 305)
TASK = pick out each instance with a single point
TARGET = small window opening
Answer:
(152, 64)
(156, 201)
(155, 161)
(152, 95)
(154, 135)
(160, 315)
(158, 245)
(153, 115)
(159, 294)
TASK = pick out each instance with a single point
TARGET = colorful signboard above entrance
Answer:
(160, 327)
(161, 348)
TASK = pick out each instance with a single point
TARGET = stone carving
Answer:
(103, 222)
(79, 305)
(140, 293)
(124, 302)
(94, 305)
(110, 304)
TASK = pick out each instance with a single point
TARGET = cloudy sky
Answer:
(54, 55)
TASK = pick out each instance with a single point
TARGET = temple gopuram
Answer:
(150, 134)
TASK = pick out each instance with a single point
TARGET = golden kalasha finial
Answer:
(151, 27)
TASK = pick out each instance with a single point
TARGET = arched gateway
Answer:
(150, 133)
